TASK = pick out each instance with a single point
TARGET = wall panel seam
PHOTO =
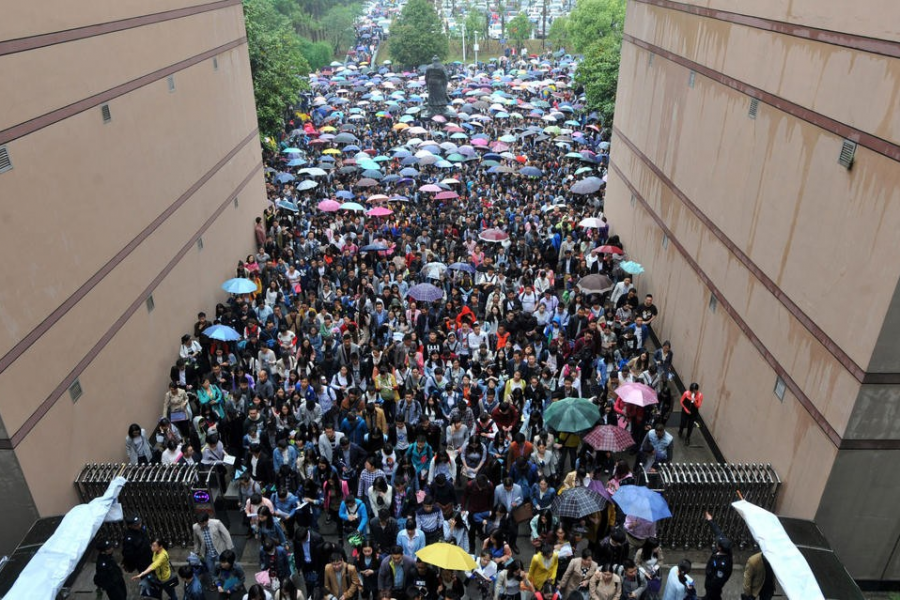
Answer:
(63, 386)
(42, 40)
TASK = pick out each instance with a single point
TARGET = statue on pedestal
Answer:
(436, 83)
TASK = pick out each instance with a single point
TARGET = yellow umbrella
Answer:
(331, 151)
(400, 126)
(327, 129)
(447, 556)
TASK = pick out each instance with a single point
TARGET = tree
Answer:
(593, 20)
(338, 24)
(558, 33)
(598, 73)
(417, 35)
(276, 62)
(519, 29)
(317, 54)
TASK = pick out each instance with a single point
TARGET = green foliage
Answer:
(594, 20)
(558, 33)
(417, 35)
(338, 26)
(599, 74)
(317, 54)
(276, 61)
(519, 29)
(476, 22)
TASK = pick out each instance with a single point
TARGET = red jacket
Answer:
(698, 401)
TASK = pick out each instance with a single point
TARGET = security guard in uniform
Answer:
(136, 552)
(109, 576)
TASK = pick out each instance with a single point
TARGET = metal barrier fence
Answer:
(692, 489)
(166, 497)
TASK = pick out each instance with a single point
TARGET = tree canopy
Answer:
(594, 20)
(519, 29)
(558, 32)
(276, 61)
(598, 73)
(417, 35)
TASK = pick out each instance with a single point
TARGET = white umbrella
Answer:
(791, 569)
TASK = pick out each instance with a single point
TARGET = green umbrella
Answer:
(571, 415)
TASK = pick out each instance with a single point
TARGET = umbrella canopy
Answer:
(530, 172)
(578, 503)
(632, 268)
(591, 222)
(588, 185)
(447, 556)
(380, 212)
(571, 414)
(459, 266)
(641, 502)
(493, 235)
(329, 206)
(609, 438)
(239, 285)
(638, 394)
(352, 206)
(595, 284)
(306, 184)
(434, 269)
(425, 292)
(607, 249)
(373, 248)
(222, 333)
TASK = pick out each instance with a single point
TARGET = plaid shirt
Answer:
(366, 479)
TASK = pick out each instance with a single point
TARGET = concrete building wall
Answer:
(97, 216)
(772, 264)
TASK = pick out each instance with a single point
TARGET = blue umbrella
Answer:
(222, 332)
(297, 162)
(287, 206)
(284, 177)
(459, 266)
(344, 194)
(530, 172)
(632, 268)
(642, 502)
(239, 285)
(425, 292)
(373, 248)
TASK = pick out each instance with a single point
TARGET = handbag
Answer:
(523, 513)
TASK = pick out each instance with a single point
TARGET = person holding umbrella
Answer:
(719, 565)
(691, 401)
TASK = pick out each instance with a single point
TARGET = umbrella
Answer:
(434, 269)
(352, 206)
(447, 556)
(607, 250)
(446, 196)
(493, 235)
(591, 222)
(530, 172)
(459, 266)
(578, 503)
(284, 177)
(380, 212)
(638, 394)
(222, 333)
(239, 285)
(306, 184)
(641, 502)
(571, 415)
(329, 206)
(366, 182)
(595, 284)
(373, 248)
(632, 268)
(287, 206)
(425, 292)
(588, 185)
(609, 438)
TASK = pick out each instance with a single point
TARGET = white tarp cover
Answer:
(791, 569)
(47, 571)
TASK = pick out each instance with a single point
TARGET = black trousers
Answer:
(687, 423)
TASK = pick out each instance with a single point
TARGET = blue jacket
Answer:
(278, 458)
(288, 506)
(361, 512)
(355, 433)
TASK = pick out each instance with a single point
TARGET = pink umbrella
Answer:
(439, 119)
(329, 206)
(430, 188)
(499, 147)
(377, 198)
(380, 212)
(446, 196)
(637, 394)
(493, 235)
(479, 142)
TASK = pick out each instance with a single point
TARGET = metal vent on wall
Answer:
(107, 115)
(650, 60)
(75, 391)
(691, 78)
(200, 243)
(713, 303)
(215, 63)
(780, 387)
(848, 154)
(665, 241)
(5, 160)
(171, 81)
(236, 202)
(151, 304)
(754, 108)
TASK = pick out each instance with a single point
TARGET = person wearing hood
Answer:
(719, 565)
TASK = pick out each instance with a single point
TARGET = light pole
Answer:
(544, 28)
(476, 49)
(464, 42)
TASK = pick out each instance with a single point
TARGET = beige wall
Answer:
(36, 17)
(82, 192)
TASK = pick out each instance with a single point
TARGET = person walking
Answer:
(211, 539)
(679, 585)
(759, 579)
(159, 573)
(691, 401)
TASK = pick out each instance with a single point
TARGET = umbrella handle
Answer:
(739, 494)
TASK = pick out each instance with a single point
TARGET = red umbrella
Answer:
(637, 394)
(609, 438)
(493, 235)
(607, 250)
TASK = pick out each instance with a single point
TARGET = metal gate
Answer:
(166, 497)
(692, 489)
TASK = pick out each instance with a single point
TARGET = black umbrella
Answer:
(578, 503)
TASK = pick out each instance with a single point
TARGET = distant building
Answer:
(130, 174)
(755, 175)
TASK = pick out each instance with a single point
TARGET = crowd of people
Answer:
(363, 424)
